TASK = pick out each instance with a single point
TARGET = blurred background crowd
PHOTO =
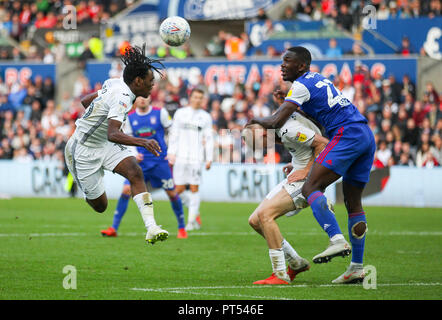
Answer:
(408, 130)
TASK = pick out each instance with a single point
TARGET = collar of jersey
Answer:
(144, 113)
(132, 95)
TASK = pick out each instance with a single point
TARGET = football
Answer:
(175, 31)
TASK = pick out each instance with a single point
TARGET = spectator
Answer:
(344, 19)
(405, 48)
(333, 50)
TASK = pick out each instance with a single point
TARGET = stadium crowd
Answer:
(407, 131)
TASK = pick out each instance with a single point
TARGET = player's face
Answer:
(196, 99)
(291, 67)
(145, 84)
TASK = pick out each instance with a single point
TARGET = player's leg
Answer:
(160, 176)
(319, 179)
(129, 168)
(120, 210)
(194, 208)
(357, 227)
(86, 169)
(279, 249)
(353, 185)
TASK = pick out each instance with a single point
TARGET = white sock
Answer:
(145, 205)
(278, 260)
(194, 206)
(185, 197)
(338, 236)
(290, 253)
(355, 265)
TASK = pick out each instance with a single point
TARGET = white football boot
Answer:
(335, 248)
(352, 275)
(155, 233)
(193, 225)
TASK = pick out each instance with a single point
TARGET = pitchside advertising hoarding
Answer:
(233, 183)
(19, 73)
(250, 70)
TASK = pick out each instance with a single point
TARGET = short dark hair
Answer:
(196, 89)
(137, 64)
(303, 54)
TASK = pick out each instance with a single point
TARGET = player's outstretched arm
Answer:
(277, 119)
(114, 134)
(87, 100)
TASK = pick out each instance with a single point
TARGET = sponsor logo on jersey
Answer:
(301, 137)
(123, 104)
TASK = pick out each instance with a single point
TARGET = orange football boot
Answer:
(198, 219)
(292, 273)
(271, 280)
(182, 233)
(109, 232)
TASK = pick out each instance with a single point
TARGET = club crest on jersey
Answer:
(153, 120)
(290, 93)
(301, 137)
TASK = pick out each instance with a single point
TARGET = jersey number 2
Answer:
(332, 100)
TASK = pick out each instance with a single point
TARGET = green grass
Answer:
(404, 244)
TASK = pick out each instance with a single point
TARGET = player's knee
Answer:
(100, 207)
(126, 190)
(135, 174)
(359, 229)
(265, 216)
(254, 222)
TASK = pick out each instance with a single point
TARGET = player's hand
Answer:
(152, 146)
(208, 165)
(171, 158)
(139, 157)
(279, 96)
(287, 169)
(297, 175)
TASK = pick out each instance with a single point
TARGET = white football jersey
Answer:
(114, 101)
(297, 135)
(191, 136)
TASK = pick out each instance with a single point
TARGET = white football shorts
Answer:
(294, 190)
(187, 173)
(87, 164)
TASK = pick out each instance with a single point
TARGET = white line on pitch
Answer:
(169, 290)
(180, 289)
(211, 234)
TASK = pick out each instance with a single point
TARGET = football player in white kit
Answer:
(302, 138)
(191, 147)
(99, 144)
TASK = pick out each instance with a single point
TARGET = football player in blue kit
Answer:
(349, 154)
(151, 123)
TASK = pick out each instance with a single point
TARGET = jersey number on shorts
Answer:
(167, 184)
(332, 100)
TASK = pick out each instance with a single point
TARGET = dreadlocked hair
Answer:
(137, 64)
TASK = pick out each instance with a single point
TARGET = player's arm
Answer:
(208, 147)
(297, 95)
(114, 134)
(277, 119)
(318, 144)
(87, 100)
(127, 129)
(173, 139)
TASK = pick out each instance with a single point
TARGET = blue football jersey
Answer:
(151, 125)
(320, 99)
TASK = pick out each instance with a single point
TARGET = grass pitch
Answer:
(39, 237)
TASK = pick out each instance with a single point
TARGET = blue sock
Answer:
(177, 207)
(122, 204)
(322, 213)
(357, 245)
